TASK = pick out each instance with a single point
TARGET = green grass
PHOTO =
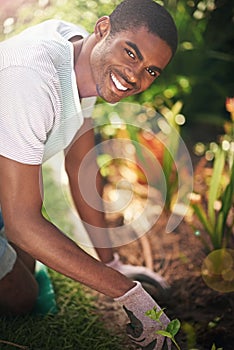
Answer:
(76, 326)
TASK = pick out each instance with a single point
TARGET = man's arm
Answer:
(86, 186)
(21, 201)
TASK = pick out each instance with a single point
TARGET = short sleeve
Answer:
(87, 105)
(26, 114)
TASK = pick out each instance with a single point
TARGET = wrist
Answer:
(114, 262)
(105, 255)
(131, 293)
(137, 299)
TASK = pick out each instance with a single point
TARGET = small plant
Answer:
(172, 328)
(214, 347)
(215, 215)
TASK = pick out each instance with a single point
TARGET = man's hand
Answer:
(139, 273)
(142, 329)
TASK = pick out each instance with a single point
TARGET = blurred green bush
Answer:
(201, 74)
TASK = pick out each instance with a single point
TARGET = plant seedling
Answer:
(172, 328)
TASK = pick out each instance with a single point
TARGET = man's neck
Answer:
(84, 78)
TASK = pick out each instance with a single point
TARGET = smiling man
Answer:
(127, 63)
(50, 76)
(126, 58)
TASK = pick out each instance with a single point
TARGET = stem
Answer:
(177, 345)
(147, 252)
(14, 344)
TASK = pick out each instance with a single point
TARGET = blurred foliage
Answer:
(214, 207)
(217, 216)
(201, 73)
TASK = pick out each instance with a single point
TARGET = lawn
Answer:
(75, 326)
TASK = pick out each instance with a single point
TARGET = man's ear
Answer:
(102, 27)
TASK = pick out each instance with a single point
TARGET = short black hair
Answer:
(132, 14)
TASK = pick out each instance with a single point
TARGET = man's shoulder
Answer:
(53, 29)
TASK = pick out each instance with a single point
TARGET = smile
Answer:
(117, 83)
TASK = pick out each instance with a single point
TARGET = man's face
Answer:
(127, 63)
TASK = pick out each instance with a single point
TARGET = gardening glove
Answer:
(139, 273)
(142, 329)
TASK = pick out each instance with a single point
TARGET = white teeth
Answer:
(117, 83)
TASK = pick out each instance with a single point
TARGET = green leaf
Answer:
(133, 133)
(227, 197)
(201, 214)
(173, 327)
(151, 314)
(219, 232)
(215, 183)
(154, 314)
(167, 163)
(164, 333)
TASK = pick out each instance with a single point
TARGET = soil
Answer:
(206, 315)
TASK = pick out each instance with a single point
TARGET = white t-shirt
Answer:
(40, 109)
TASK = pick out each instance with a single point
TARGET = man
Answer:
(48, 73)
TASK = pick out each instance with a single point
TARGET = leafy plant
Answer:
(214, 347)
(172, 328)
(215, 216)
(214, 219)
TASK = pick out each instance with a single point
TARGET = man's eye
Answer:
(151, 72)
(130, 53)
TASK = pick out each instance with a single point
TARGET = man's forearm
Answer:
(47, 244)
(86, 186)
(89, 205)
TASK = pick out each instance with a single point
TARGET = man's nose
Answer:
(131, 75)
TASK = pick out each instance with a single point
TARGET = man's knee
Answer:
(18, 288)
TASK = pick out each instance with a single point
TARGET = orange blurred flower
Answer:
(150, 167)
(230, 105)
